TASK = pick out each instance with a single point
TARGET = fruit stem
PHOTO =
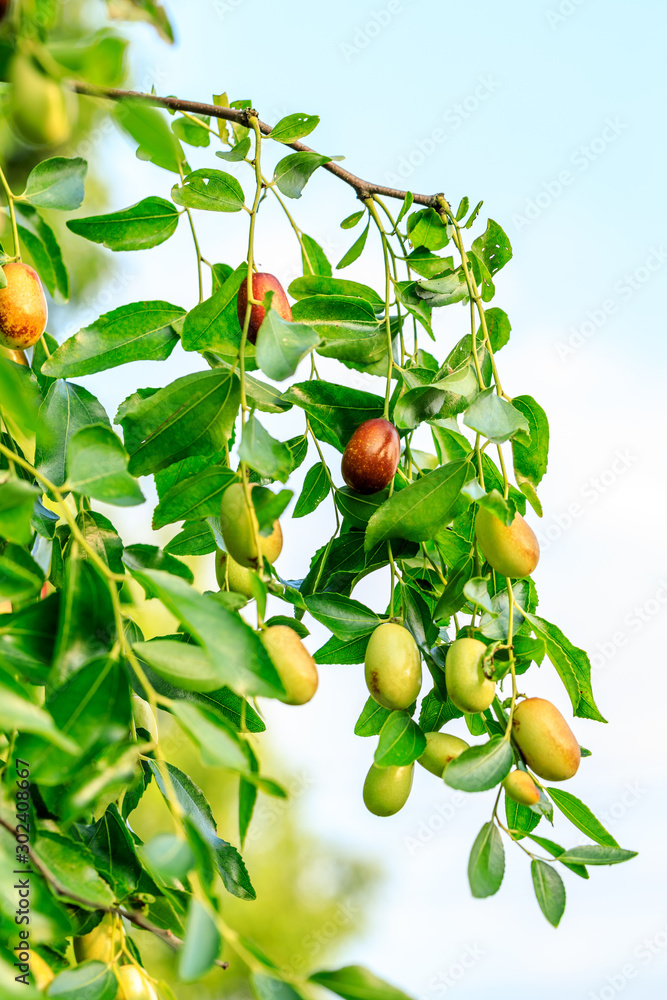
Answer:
(12, 214)
(387, 319)
(510, 653)
(196, 242)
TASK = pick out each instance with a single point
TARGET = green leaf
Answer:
(591, 854)
(141, 556)
(530, 461)
(335, 410)
(454, 595)
(486, 865)
(401, 741)
(214, 324)
(572, 664)
(405, 207)
(66, 409)
(263, 453)
(192, 416)
(426, 229)
(354, 982)
(180, 663)
(345, 617)
(316, 488)
(139, 227)
(169, 855)
(294, 127)
(88, 981)
(351, 220)
(140, 331)
(237, 655)
(191, 132)
(19, 392)
(293, 172)
(480, 767)
(581, 816)
(436, 711)
(281, 346)
(73, 867)
(313, 257)
(201, 943)
(269, 506)
(97, 467)
(228, 861)
(355, 250)
(195, 497)
(318, 284)
(495, 418)
(499, 328)
(238, 152)
(213, 190)
(520, 819)
(56, 183)
(218, 744)
(266, 987)
(20, 576)
(27, 639)
(17, 500)
(110, 844)
(549, 890)
(372, 719)
(422, 509)
(46, 253)
(195, 539)
(18, 712)
(493, 247)
(556, 850)
(157, 143)
(338, 651)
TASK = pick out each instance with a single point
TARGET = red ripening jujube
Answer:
(371, 457)
(261, 284)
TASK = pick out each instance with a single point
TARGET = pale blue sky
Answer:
(520, 93)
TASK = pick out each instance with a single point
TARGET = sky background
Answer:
(553, 113)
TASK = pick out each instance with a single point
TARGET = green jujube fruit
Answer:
(227, 570)
(467, 685)
(102, 943)
(546, 741)
(441, 748)
(521, 788)
(294, 664)
(393, 666)
(386, 789)
(40, 110)
(134, 984)
(240, 528)
(511, 550)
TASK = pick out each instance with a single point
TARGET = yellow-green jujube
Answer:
(467, 685)
(40, 109)
(512, 550)
(546, 741)
(521, 788)
(228, 571)
(393, 666)
(41, 972)
(103, 943)
(386, 789)
(142, 713)
(441, 748)
(240, 528)
(134, 984)
(294, 664)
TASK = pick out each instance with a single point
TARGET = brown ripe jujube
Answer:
(371, 456)
(261, 284)
(23, 311)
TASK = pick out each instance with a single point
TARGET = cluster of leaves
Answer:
(72, 655)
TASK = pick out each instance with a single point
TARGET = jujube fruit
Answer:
(41, 971)
(467, 685)
(441, 748)
(23, 311)
(512, 550)
(294, 664)
(134, 984)
(393, 666)
(545, 740)
(371, 456)
(521, 788)
(237, 577)
(261, 284)
(239, 527)
(102, 943)
(40, 110)
(386, 789)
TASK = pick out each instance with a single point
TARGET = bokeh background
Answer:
(552, 111)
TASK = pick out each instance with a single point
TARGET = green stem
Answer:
(387, 319)
(12, 213)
